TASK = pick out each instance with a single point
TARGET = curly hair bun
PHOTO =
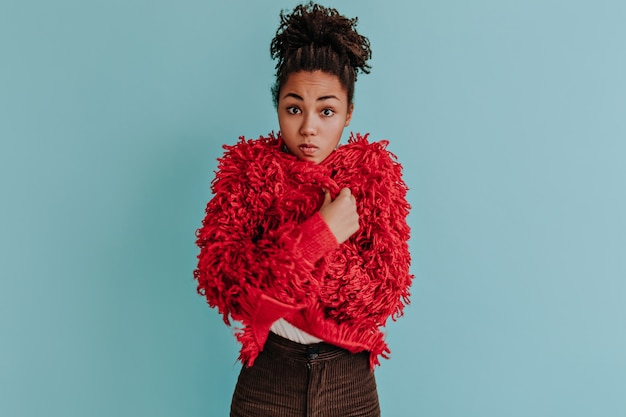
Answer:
(314, 25)
(314, 37)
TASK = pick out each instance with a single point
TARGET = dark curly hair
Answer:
(314, 37)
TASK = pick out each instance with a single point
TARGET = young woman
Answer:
(305, 242)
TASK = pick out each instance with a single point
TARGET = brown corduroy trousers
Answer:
(293, 380)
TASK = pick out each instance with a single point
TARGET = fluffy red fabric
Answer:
(266, 253)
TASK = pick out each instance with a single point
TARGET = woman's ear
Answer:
(349, 115)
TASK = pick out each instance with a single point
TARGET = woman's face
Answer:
(313, 109)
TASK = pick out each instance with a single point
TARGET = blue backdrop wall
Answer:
(509, 117)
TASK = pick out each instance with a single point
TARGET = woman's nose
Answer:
(308, 127)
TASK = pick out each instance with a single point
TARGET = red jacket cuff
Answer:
(317, 239)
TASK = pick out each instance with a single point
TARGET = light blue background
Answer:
(509, 117)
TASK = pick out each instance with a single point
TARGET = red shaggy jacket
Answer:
(266, 252)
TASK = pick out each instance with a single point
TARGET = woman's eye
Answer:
(293, 110)
(328, 112)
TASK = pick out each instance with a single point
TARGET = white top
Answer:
(287, 330)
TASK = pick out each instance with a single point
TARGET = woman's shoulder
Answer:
(249, 149)
(248, 162)
(366, 167)
(251, 154)
(360, 150)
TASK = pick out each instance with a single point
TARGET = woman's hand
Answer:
(340, 215)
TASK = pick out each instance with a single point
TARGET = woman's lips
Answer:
(308, 149)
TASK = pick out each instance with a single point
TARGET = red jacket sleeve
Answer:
(250, 274)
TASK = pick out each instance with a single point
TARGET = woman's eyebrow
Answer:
(294, 95)
(322, 98)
